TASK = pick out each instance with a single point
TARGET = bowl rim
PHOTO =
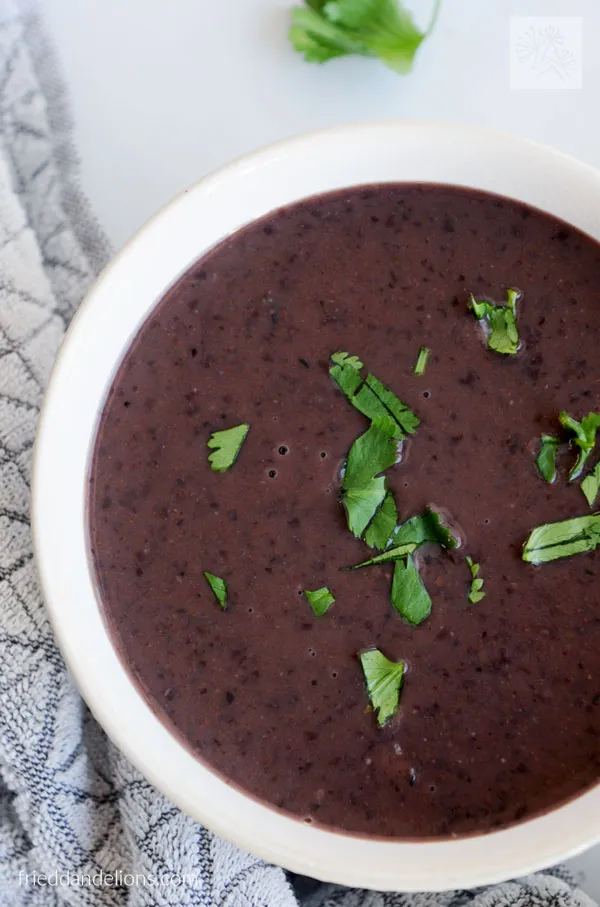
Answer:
(58, 518)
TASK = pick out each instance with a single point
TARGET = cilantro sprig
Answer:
(320, 600)
(219, 588)
(552, 541)
(500, 322)
(325, 29)
(226, 446)
(384, 680)
(370, 397)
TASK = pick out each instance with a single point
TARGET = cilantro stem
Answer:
(421, 362)
(434, 18)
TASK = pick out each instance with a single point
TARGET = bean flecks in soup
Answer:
(453, 689)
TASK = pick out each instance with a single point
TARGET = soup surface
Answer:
(499, 712)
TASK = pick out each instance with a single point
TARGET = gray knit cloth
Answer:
(71, 806)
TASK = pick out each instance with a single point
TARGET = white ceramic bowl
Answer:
(100, 334)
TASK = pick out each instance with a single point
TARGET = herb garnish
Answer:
(591, 485)
(325, 29)
(397, 553)
(585, 438)
(363, 489)
(421, 362)
(546, 459)
(384, 522)
(370, 396)
(476, 592)
(555, 540)
(320, 600)
(384, 681)
(409, 596)
(227, 445)
(424, 527)
(219, 587)
(500, 322)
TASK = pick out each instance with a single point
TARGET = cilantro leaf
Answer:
(380, 530)
(362, 502)
(555, 540)
(320, 600)
(375, 401)
(392, 554)
(585, 438)
(370, 397)
(219, 587)
(318, 39)
(421, 362)
(500, 322)
(546, 459)
(345, 360)
(591, 485)
(410, 598)
(226, 445)
(372, 452)
(363, 491)
(384, 681)
(424, 527)
(370, 28)
(345, 371)
(476, 592)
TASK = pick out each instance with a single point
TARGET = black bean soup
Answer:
(498, 715)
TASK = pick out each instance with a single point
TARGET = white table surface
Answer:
(163, 91)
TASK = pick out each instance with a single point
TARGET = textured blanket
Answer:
(78, 824)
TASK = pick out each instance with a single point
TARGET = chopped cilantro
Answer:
(410, 598)
(500, 322)
(546, 459)
(555, 540)
(384, 681)
(585, 438)
(380, 530)
(476, 592)
(325, 29)
(345, 371)
(591, 485)
(424, 527)
(370, 397)
(375, 401)
(320, 600)
(392, 554)
(226, 445)
(363, 490)
(219, 587)
(362, 502)
(421, 362)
